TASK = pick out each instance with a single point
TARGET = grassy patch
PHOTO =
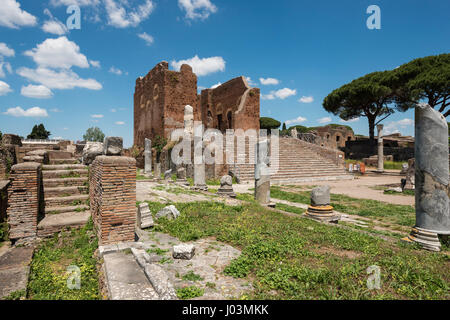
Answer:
(284, 207)
(191, 276)
(16, 295)
(213, 182)
(404, 193)
(293, 258)
(48, 274)
(158, 251)
(398, 214)
(190, 292)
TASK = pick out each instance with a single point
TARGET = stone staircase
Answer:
(296, 163)
(66, 196)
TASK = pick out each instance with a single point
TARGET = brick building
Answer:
(160, 98)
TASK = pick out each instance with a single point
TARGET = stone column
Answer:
(157, 171)
(262, 173)
(380, 148)
(431, 178)
(148, 157)
(200, 176)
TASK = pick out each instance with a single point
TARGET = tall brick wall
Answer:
(24, 195)
(112, 188)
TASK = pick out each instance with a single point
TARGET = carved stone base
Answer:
(428, 240)
(322, 214)
(226, 191)
(200, 188)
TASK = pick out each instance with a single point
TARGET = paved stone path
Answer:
(14, 270)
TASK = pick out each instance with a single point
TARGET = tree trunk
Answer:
(371, 127)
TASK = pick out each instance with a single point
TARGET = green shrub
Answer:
(190, 292)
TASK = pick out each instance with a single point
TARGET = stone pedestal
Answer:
(200, 177)
(410, 175)
(226, 187)
(148, 157)
(144, 217)
(380, 148)
(158, 171)
(320, 208)
(262, 173)
(431, 178)
(181, 176)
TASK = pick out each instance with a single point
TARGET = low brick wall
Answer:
(24, 194)
(112, 188)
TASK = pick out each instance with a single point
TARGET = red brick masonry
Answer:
(23, 199)
(112, 188)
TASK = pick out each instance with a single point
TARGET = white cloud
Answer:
(197, 9)
(55, 110)
(54, 27)
(269, 81)
(147, 38)
(4, 88)
(250, 81)
(38, 92)
(113, 110)
(296, 120)
(396, 126)
(203, 66)
(58, 53)
(80, 3)
(7, 67)
(34, 112)
(216, 85)
(349, 121)
(305, 99)
(97, 116)
(280, 94)
(120, 18)
(5, 50)
(95, 64)
(269, 96)
(120, 123)
(63, 79)
(12, 16)
(115, 71)
(324, 120)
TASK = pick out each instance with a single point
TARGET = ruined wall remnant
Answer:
(112, 189)
(159, 101)
(161, 96)
(24, 195)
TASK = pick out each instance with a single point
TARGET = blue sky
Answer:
(71, 80)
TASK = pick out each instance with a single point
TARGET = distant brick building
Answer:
(160, 98)
(334, 136)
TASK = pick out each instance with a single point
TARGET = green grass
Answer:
(395, 165)
(404, 193)
(191, 276)
(398, 214)
(48, 274)
(288, 257)
(158, 251)
(16, 295)
(191, 292)
(284, 207)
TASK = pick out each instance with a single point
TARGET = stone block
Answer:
(320, 196)
(170, 212)
(112, 146)
(183, 251)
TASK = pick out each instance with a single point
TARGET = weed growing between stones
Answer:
(190, 292)
(191, 276)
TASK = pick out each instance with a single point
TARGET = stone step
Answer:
(64, 166)
(67, 201)
(61, 209)
(75, 173)
(64, 191)
(64, 161)
(65, 182)
(57, 222)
